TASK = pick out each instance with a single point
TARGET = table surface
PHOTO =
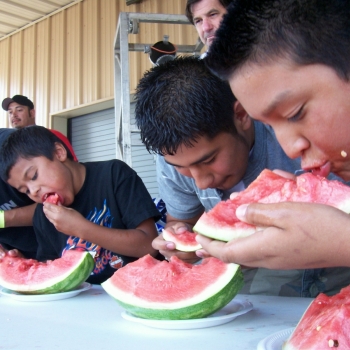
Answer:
(92, 320)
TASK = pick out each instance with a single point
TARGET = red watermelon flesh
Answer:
(173, 279)
(174, 290)
(30, 276)
(52, 198)
(222, 223)
(324, 325)
(184, 241)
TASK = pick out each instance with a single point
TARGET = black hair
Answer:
(180, 101)
(188, 10)
(28, 142)
(305, 31)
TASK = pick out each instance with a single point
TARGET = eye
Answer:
(210, 161)
(35, 176)
(296, 116)
(196, 21)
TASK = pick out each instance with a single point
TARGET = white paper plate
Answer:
(275, 340)
(235, 308)
(46, 297)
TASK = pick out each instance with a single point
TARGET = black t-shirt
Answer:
(112, 195)
(22, 238)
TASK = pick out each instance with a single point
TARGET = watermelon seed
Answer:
(333, 343)
(318, 328)
(343, 154)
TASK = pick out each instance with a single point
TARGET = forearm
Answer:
(130, 242)
(20, 216)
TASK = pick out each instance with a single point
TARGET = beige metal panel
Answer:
(16, 64)
(73, 68)
(29, 62)
(57, 62)
(109, 18)
(4, 77)
(91, 51)
(43, 73)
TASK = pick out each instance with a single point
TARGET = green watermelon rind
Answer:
(64, 283)
(219, 232)
(179, 245)
(199, 306)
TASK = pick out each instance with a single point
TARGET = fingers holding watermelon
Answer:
(12, 252)
(177, 241)
(290, 238)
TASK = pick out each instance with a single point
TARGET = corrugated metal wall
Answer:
(66, 60)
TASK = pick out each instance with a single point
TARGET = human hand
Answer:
(65, 220)
(291, 236)
(167, 249)
(12, 252)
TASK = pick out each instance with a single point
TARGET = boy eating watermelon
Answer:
(102, 207)
(292, 72)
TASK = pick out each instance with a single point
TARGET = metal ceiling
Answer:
(19, 14)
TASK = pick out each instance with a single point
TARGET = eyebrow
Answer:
(200, 160)
(16, 107)
(273, 105)
(207, 13)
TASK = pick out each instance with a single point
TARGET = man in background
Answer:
(21, 113)
(17, 209)
(206, 16)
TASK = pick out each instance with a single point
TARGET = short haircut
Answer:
(179, 101)
(304, 31)
(28, 142)
(188, 10)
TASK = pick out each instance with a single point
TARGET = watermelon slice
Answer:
(174, 290)
(221, 222)
(184, 241)
(29, 276)
(324, 325)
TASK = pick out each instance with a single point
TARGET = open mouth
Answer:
(322, 170)
(53, 198)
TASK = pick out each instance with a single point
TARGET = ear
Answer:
(60, 152)
(32, 113)
(242, 118)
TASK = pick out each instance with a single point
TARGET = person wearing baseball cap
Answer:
(20, 110)
(21, 113)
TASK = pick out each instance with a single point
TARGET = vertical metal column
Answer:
(128, 23)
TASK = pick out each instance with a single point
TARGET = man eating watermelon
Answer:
(208, 147)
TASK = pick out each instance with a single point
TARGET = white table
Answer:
(92, 320)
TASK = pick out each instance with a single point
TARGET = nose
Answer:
(33, 191)
(203, 179)
(293, 145)
(207, 25)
